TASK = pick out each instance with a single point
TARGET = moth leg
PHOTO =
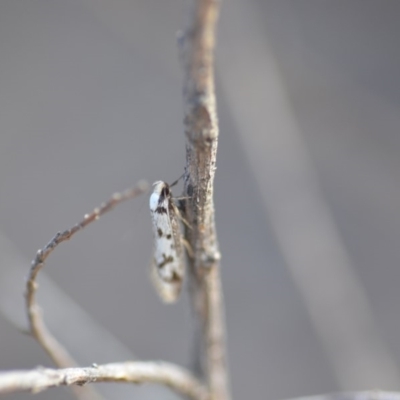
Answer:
(188, 247)
(178, 211)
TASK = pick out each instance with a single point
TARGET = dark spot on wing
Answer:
(166, 260)
(160, 232)
(161, 210)
(175, 277)
(169, 236)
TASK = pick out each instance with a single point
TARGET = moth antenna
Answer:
(174, 183)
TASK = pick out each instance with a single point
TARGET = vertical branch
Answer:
(201, 130)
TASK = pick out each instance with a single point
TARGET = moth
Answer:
(167, 266)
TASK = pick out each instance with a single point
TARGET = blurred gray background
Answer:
(307, 186)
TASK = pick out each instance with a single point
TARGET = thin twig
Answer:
(367, 395)
(36, 324)
(177, 378)
(37, 327)
(201, 129)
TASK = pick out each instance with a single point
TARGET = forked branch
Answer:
(201, 129)
(175, 377)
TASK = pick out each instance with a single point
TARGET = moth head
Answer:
(160, 194)
(161, 188)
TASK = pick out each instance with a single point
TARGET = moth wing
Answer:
(168, 252)
(168, 291)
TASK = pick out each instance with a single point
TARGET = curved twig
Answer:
(37, 327)
(177, 378)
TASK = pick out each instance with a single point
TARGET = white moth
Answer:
(167, 267)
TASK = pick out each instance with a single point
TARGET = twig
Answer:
(201, 129)
(37, 328)
(177, 378)
(367, 395)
